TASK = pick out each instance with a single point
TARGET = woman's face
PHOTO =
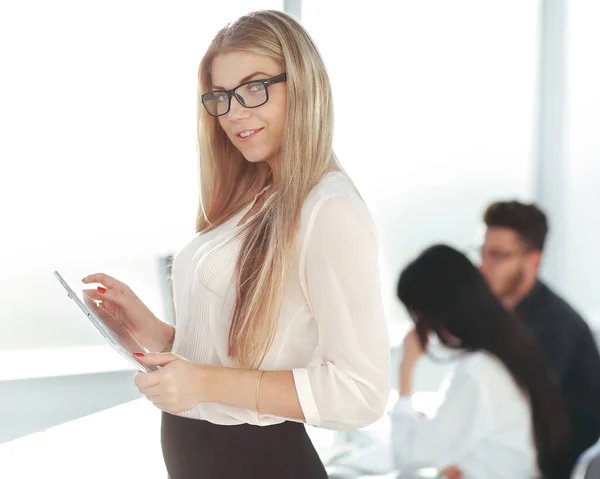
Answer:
(256, 132)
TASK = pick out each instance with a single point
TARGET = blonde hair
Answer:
(228, 182)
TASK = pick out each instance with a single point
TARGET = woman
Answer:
(502, 416)
(279, 315)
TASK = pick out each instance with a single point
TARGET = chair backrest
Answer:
(588, 464)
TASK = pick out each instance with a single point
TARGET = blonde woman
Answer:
(279, 315)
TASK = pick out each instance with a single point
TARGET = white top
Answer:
(332, 331)
(483, 426)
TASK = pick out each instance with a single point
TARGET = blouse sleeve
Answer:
(347, 384)
(460, 422)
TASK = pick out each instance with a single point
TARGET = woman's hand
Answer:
(126, 309)
(452, 472)
(178, 385)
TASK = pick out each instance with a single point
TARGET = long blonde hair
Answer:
(228, 182)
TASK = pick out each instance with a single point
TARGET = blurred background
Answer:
(480, 100)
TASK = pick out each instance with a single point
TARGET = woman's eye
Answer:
(256, 87)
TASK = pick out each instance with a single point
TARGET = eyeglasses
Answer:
(250, 94)
(496, 257)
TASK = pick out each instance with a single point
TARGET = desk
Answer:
(122, 442)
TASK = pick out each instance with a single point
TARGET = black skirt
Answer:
(196, 449)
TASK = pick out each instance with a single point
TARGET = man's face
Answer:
(506, 261)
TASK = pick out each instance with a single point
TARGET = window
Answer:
(434, 105)
(582, 170)
(98, 150)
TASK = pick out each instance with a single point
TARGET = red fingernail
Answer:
(139, 355)
(101, 289)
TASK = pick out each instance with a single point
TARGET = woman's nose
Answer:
(237, 111)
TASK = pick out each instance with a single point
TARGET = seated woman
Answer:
(502, 416)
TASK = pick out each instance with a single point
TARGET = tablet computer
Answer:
(113, 331)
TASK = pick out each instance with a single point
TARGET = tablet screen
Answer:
(113, 331)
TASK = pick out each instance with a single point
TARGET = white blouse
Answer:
(332, 332)
(483, 426)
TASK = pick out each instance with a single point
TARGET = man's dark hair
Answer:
(527, 220)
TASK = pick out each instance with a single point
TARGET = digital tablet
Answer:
(113, 331)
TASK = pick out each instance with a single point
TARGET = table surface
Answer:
(118, 442)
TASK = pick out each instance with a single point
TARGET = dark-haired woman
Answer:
(502, 416)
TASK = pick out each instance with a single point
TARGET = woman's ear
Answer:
(536, 260)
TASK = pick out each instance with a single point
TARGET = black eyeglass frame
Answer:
(231, 93)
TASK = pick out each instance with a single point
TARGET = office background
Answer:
(469, 101)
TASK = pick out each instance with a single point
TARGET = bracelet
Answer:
(169, 347)
(260, 373)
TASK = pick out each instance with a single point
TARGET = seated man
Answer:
(510, 259)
